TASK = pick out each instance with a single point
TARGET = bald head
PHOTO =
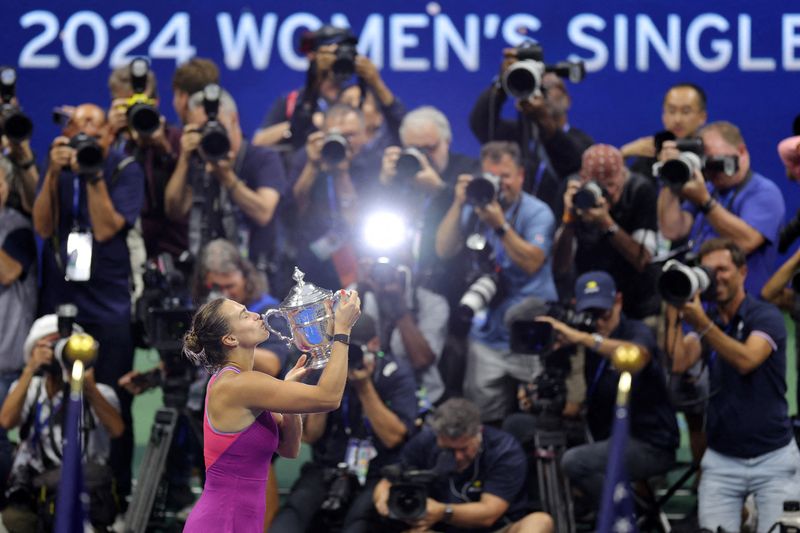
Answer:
(87, 118)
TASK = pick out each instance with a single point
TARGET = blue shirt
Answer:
(535, 223)
(748, 414)
(105, 298)
(760, 204)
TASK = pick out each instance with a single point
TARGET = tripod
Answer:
(554, 490)
(148, 507)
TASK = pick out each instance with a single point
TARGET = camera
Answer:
(724, 164)
(334, 148)
(344, 66)
(14, 124)
(676, 172)
(523, 78)
(532, 337)
(409, 163)
(680, 282)
(485, 283)
(214, 141)
(342, 484)
(588, 196)
(408, 496)
(88, 153)
(483, 189)
(143, 116)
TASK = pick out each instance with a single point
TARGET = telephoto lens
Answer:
(409, 163)
(334, 149)
(88, 153)
(679, 283)
(483, 189)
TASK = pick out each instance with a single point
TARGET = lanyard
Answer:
(597, 375)
(332, 203)
(346, 417)
(76, 198)
(537, 179)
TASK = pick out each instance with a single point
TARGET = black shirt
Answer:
(635, 211)
(652, 417)
(748, 414)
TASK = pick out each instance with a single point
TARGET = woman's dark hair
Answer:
(203, 343)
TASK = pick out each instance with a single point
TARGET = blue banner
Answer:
(745, 55)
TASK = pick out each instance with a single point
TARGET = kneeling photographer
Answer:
(458, 475)
(352, 444)
(35, 405)
(491, 215)
(654, 430)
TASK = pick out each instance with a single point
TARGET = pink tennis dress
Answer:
(237, 466)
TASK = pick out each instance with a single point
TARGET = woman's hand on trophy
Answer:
(348, 311)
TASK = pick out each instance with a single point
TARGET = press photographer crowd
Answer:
(444, 330)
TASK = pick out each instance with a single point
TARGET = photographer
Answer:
(750, 443)
(684, 112)
(367, 432)
(519, 228)
(35, 405)
(327, 179)
(479, 488)
(654, 437)
(551, 146)
(736, 202)
(422, 174)
(190, 78)
(232, 193)
(87, 202)
(15, 133)
(613, 229)
(411, 322)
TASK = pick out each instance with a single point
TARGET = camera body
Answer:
(342, 484)
(88, 153)
(214, 141)
(334, 148)
(408, 496)
(523, 79)
(483, 189)
(14, 124)
(142, 114)
(676, 172)
(679, 283)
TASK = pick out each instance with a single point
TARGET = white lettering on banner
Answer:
(247, 38)
(401, 40)
(746, 60)
(419, 42)
(576, 31)
(723, 48)
(446, 35)
(141, 31)
(69, 37)
(791, 41)
(647, 34)
(286, 43)
(29, 56)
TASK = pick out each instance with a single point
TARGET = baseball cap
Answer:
(595, 290)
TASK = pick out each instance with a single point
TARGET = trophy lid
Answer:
(304, 292)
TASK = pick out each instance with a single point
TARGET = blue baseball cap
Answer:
(595, 290)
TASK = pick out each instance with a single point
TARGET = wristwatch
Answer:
(611, 230)
(598, 341)
(341, 337)
(448, 513)
(501, 231)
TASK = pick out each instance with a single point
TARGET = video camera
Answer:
(214, 141)
(532, 337)
(483, 189)
(523, 78)
(679, 282)
(14, 124)
(676, 172)
(408, 496)
(143, 115)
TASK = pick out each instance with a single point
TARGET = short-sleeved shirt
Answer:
(748, 413)
(652, 416)
(499, 469)
(106, 297)
(431, 313)
(535, 223)
(635, 212)
(394, 382)
(759, 203)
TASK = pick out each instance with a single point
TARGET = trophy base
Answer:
(317, 361)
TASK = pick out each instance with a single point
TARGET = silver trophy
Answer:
(309, 312)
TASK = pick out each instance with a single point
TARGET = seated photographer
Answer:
(683, 114)
(469, 479)
(518, 229)
(327, 179)
(366, 433)
(552, 145)
(422, 174)
(35, 405)
(610, 224)
(751, 449)
(87, 202)
(411, 322)
(224, 184)
(653, 428)
(736, 202)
